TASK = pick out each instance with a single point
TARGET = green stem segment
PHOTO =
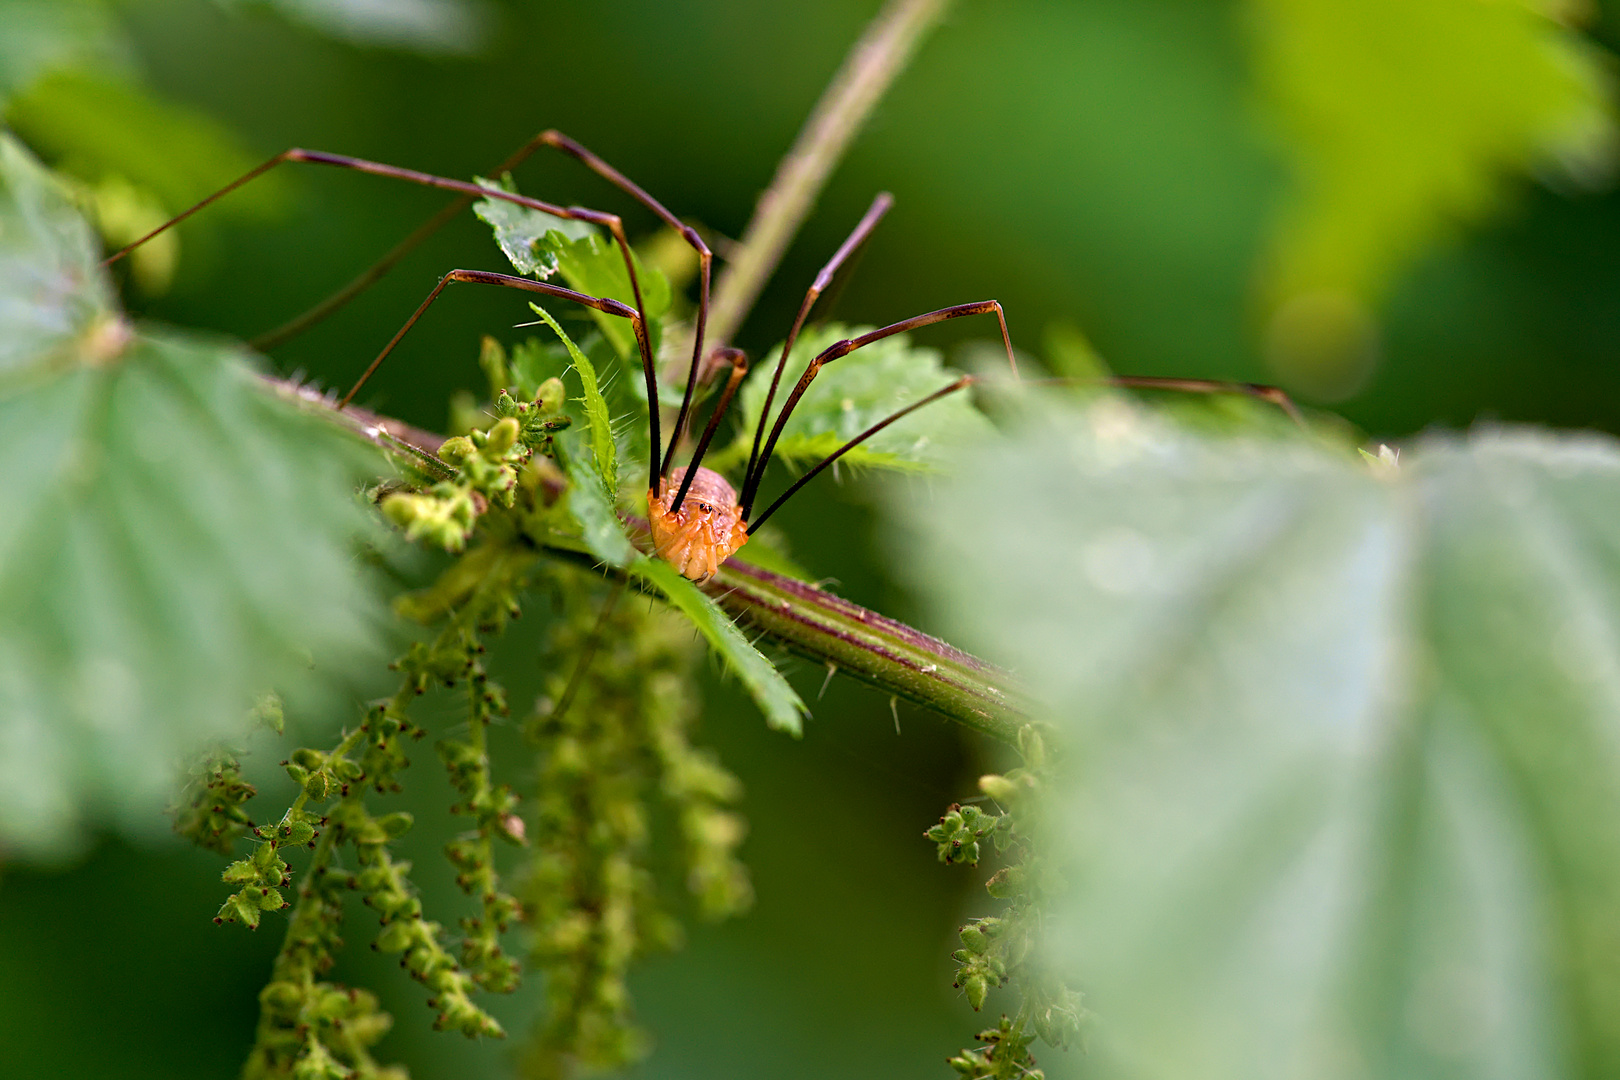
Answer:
(882, 652)
(874, 648)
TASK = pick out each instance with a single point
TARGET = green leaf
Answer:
(592, 507)
(851, 394)
(174, 538)
(540, 245)
(530, 239)
(98, 128)
(51, 35)
(596, 410)
(776, 699)
(1342, 771)
(430, 27)
(1401, 117)
(56, 308)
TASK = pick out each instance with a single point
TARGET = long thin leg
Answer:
(739, 368)
(874, 214)
(844, 348)
(485, 277)
(612, 222)
(371, 274)
(705, 265)
(1259, 391)
(469, 192)
(965, 380)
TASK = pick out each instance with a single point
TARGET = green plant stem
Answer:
(882, 652)
(879, 56)
(879, 651)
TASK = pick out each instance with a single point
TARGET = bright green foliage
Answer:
(612, 739)
(783, 709)
(1341, 772)
(104, 128)
(1400, 119)
(52, 35)
(540, 245)
(851, 394)
(431, 27)
(174, 538)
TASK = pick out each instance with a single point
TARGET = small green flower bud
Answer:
(395, 937)
(309, 759)
(551, 395)
(300, 833)
(1006, 882)
(281, 998)
(318, 786)
(455, 450)
(240, 872)
(502, 437)
(298, 773)
(244, 911)
(998, 788)
(270, 900)
(396, 824)
(975, 939)
(977, 987)
(1032, 746)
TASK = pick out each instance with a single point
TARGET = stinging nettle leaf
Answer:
(783, 709)
(604, 452)
(851, 394)
(592, 506)
(1343, 758)
(541, 245)
(175, 539)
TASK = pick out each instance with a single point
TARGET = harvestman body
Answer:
(697, 518)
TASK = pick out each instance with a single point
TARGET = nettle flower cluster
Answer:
(610, 759)
(1004, 949)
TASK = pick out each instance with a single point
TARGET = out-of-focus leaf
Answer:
(540, 245)
(52, 294)
(174, 538)
(603, 450)
(851, 394)
(1401, 118)
(783, 709)
(1344, 765)
(51, 35)
(432, 27)
(96, 128)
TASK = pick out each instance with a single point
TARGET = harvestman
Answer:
(697, 518)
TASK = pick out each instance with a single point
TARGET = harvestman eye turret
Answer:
(697, 519)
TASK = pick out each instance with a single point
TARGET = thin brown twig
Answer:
(880, 55)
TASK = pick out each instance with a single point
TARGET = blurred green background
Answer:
(1113, 165)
